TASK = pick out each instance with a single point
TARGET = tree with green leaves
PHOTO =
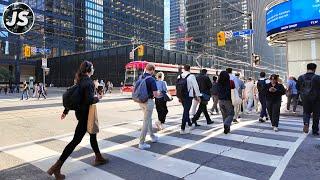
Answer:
(5, 75)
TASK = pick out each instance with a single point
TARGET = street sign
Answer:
(131, 55)
(43, 50)
(44, 62)
(246, 32)
(228, 34)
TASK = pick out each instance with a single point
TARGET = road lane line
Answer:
(286, 159)
(245, 155)
(268, 131)
(43, 158)
(280, 126)
(159, 162)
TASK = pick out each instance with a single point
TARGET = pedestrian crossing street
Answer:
(251, 151)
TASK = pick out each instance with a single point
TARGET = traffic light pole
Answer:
(252, 44)
(44, 56)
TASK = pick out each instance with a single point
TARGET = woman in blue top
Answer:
(161, 104)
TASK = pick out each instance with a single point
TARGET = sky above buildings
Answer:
(166, 24)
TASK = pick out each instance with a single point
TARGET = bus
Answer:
(134, 69)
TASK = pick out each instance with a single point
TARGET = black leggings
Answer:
(162, 109)
(78, 135)
(274, 112)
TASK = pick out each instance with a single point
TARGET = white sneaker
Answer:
(275, 129)
(144, 146)
(154, 139)
(183, 132)
(159, 125)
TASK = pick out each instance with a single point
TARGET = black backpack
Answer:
(262, 86)
(214, 89)
(182, 87)
(307, 90)
(71, 98)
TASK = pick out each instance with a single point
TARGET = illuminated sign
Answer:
(293, 14)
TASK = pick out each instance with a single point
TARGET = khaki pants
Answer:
(147, 109)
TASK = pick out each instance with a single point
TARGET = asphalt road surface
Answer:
(32, 137)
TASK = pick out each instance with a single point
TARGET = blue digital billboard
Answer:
(293, 14)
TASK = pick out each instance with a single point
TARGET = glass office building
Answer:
(72, 26)
(178, 25)
(206, 18)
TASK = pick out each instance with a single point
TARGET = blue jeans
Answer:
(24, 92)
(227, 111)
(263, 101)
(186, 103)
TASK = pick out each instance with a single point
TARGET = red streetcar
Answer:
(136, 68)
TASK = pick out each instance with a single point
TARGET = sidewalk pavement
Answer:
(53, 92)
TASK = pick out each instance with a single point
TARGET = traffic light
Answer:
(26, 51)
(221, 38)
(256, 59)
(140, 50)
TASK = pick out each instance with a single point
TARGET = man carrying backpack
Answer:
(308, 86)
(144, 93)
(205, 85)
(187, 89)
(262, 91)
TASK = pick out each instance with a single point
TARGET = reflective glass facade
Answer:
(72, 26)
(206, 18)
(94, 24)
(178, 26)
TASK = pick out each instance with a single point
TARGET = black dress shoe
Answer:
(235, 121)
(226, 129)
(210, 122)
(261, 120)
(315, 133)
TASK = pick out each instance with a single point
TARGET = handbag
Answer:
(166, 96)
(93, 123)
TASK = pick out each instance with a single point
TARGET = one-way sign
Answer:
(246, 32)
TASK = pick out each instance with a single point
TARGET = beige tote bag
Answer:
(93, 123)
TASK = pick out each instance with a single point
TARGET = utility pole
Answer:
(44, 56)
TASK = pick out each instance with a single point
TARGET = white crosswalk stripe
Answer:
(168, 162)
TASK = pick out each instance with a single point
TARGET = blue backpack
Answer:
(140, 93)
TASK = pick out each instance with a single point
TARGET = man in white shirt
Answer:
(193, 92)
(249, 92)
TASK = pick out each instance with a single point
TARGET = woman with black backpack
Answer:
(86, 93)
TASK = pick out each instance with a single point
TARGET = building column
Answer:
(301, 53)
